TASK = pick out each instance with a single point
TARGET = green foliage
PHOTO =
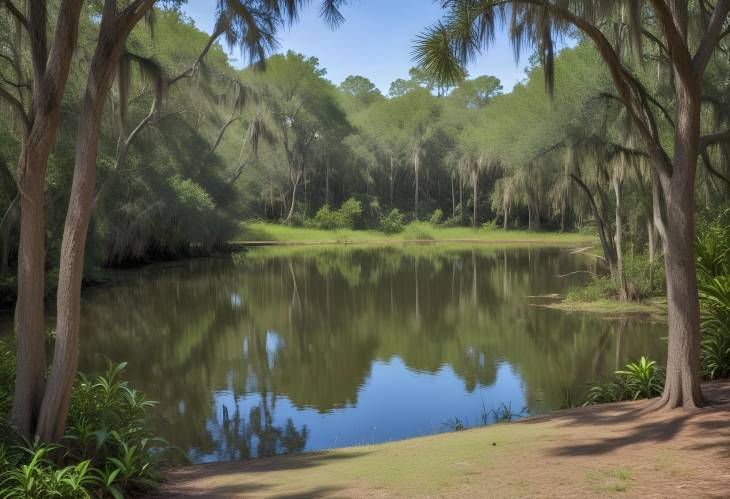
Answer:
(393, 222)
(107, 449)
(325, 218)
(712, 249)
(645, 278)
(599, 287)
(33, 475)
(436, 217)
(642, 379)
(7, 377)
(347, 217)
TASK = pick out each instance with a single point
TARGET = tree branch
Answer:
(714, 139)
(15, 12)
(711, 38)
(18, 106)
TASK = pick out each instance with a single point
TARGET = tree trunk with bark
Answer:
(682, 387)
(50, 75)
(475, 181)
(113, 32)
(620, 276)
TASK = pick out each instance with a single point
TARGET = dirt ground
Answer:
(613, 450)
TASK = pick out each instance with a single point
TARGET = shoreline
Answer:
(594, 451)
(652, 309)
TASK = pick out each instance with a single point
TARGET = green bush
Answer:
(393, 222)
(325, 218)
(599, 288)
(348, 216)
(712, 249)
(436, 217)
(642, 379)
(107, 448)
(452, 222)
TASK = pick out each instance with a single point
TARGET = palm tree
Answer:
(445, 48)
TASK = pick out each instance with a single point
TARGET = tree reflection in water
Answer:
(279, 350)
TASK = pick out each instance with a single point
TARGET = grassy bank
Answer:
(597, 451)
(652, 308)
(260, 232)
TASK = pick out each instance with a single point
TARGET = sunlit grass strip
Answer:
(259, 233)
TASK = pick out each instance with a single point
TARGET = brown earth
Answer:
(612, 450)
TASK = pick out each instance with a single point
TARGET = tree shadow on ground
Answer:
(245, 478)
(632, 423)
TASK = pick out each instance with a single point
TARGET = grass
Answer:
(651, 308)
(588, 452)
(416, 231)
(615, 480)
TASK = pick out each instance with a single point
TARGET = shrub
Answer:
(492, 225)
(436, 217)
(712, 250)
(452, 222)
(107, 449)
(393, 222)
(325, 218)
(348, 216)
(642, 379)
(600, 287)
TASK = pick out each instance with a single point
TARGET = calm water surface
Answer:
(283, 350)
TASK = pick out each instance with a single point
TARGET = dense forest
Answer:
(201, 146)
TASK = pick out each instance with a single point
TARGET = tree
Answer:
(361, 88)
(50, 64)
(665, 24)
(476, 93)
(252, 25)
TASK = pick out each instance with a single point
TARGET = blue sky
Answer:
(371, 43)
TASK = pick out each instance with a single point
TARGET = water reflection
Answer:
(282, 350)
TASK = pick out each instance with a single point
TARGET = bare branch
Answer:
(15, 12)
(18, 106)
(711, 38)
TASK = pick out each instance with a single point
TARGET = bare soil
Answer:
(612, 450)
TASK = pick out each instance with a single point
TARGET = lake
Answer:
(277, 350)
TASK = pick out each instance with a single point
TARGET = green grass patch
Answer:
(416, 231)
(652, 308)
(616, 480)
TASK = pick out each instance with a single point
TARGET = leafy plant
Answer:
(642, 379)
(107, 449)
(393, 222)
(436, 217)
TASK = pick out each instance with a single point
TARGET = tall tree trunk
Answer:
(475, 181)
(392, 179)
(461, 198)
(113, 31)
(295, 184)
(652, 236)
(620, 276)
(416, 193)
(453, 198)
(564, 210)
(682, 387)
(50, 75)
(29, 308)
